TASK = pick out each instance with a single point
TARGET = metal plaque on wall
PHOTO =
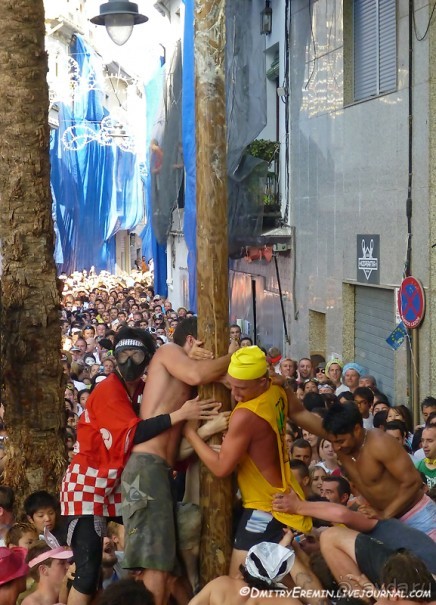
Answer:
(368, 259)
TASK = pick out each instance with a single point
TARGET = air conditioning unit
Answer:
(280, 247)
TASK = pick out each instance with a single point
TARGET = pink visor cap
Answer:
(53, 553)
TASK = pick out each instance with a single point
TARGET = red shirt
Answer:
(91, 484)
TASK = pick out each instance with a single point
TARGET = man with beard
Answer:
(106, 433)
(378, 465)
(305, 370)
(111, 570)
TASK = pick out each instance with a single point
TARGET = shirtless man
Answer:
(148, 505)
(48, 567)
(266, 565)
(255, 444)
(379, 467)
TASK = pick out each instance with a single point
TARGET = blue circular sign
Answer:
(411, 302)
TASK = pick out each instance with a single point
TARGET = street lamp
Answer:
(266, 19)
(119, 17)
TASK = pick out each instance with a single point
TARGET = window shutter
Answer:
(388, 45)
(365, 49)
(375, 47)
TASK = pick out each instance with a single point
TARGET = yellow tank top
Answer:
(256, 491)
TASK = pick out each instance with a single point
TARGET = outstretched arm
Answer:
(193, 372)
(335, 513)
(200, 409)
(298, 413)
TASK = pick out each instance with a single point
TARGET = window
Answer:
(375, 48)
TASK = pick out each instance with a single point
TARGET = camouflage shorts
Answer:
(148, 510)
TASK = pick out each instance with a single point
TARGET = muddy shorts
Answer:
(148, 510)
(188, 525)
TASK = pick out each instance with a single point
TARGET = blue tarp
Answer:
(97, 189)
(189, 150)
(246, 117)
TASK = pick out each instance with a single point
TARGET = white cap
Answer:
(276, 560)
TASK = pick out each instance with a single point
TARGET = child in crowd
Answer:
(43, 512)
(22, 535)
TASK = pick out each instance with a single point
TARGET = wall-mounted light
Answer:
(266, 19)
(119, 17)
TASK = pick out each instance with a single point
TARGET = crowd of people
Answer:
(336, 486)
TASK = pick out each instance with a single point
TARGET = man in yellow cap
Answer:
(255, 445)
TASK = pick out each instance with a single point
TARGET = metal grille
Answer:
(374, 321)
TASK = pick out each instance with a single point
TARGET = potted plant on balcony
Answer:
(269, 152)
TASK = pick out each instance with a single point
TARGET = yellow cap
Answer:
(248, 363)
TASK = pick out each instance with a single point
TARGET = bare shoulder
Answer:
(378, 438)
(168, 352)
(215, 591)
(225, 582)
(169, 349)
(241, 416)
(382, 444)
(30, 600)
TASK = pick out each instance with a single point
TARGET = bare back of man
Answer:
(163, 394)
(231, 591)
(171, 376)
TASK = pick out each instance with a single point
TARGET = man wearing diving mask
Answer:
(131, 359)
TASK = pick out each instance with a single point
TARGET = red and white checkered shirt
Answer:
(91, 484)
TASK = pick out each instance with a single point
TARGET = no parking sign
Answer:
(411, 302)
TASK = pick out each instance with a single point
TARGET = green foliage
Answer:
(264, 150)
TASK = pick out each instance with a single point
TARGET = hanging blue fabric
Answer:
(189, 150)
(97, 188)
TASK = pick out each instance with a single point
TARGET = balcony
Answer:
(269, 151)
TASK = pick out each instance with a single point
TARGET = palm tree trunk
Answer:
(30, 332)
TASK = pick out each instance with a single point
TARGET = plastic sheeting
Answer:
(150, 246)
(245, 79)
(246, 118)
(97, 189)
(164, 162)
(165, 152)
